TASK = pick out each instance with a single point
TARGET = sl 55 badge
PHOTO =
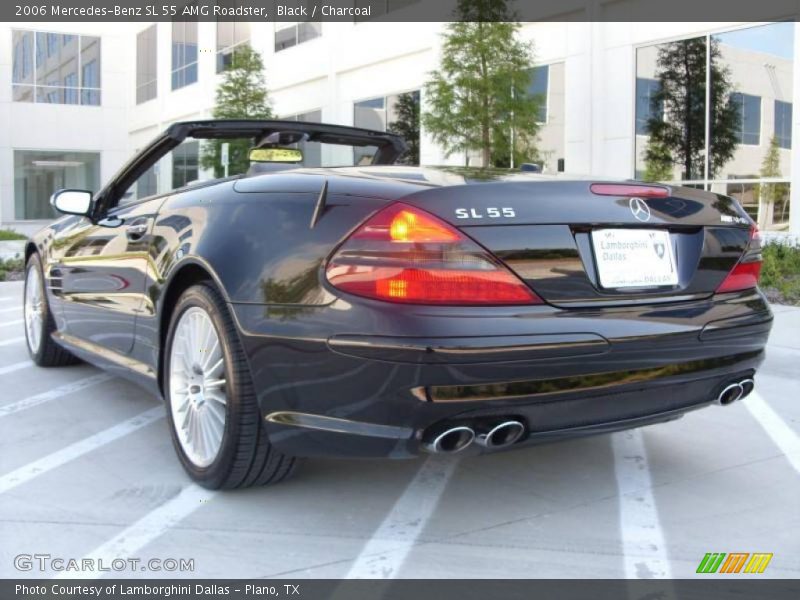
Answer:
(491, 213)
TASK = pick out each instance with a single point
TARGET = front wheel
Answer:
(214, 417)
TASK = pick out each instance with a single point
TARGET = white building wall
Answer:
(348, 63)
(64, 127)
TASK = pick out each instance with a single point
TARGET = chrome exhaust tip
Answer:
(730, 394)
(748, 385)
(502, 435)
(451, 440)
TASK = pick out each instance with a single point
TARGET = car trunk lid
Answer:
(630, 243)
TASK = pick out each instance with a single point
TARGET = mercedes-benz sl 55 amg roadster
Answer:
(330, 301)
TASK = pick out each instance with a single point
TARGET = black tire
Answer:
(47, 353)
(245, 458)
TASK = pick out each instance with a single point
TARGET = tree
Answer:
(407, 125)
(770, 194)
(680, 138)
(242, 94)
(482, 83)
(658, 162)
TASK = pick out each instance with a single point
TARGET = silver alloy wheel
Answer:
(34, 308)
(197, 389)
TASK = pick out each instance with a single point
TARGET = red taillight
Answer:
(744, 275)
(403, 254)
(628, 189)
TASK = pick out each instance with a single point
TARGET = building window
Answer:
(540, 78)
(291, 34)
(146, 64)
(230, 36)
(185, 164)
(54, 68)
(312, 151)
(748, 126)
(184, 54)
(398, 113)
(647, 106)
(39, 173)
(381, 7)
(718, 146)
(783, 123)
(71, 88)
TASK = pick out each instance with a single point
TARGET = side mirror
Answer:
(72, 202)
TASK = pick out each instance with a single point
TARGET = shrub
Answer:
(781, 273)
(11, 268)
(9, 234)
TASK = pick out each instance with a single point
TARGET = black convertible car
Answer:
(367, 309)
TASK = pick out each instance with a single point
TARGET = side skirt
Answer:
(122, 365)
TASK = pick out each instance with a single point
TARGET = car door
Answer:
(101, 263)
(103, 269)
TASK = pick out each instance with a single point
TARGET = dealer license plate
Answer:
(634, 258)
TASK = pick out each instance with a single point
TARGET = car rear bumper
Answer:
(369, 387)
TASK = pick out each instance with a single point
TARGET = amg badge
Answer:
(491, 212)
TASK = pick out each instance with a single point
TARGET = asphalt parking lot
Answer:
(87, 470)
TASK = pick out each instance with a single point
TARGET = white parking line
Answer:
(16, 367)
(63, 390)
(73, 451)
(131, 540)
(14, 340)
(9, 323)
(386, 552)
(642, 539)
(783, 435)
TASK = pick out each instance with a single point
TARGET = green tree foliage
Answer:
(482, 84)
(780, 273)
(680, 139)
(771, 195)
(407, 125)
(658, 162)
(524, 146)
(242, 94)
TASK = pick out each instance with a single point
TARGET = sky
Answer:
(776, 39)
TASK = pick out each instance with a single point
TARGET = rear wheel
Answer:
(214, 417)
(39, 322)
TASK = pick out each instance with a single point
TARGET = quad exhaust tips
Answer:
(735, 391)
(502, 435)
(451, 440)
(457, 438)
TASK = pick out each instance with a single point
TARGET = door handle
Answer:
(136, 231)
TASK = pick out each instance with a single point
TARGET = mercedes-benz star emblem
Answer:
(639, 209)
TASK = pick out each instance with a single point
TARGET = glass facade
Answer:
(185, 164)
(648, 105)
(312, 151)
(540, 80)
(783, 124)
(734, 137)
(398, 113)
(184, 54)
(55, 68)
(147, 64)
(39, 173)
(230, 36)
(381, 7)
(292, 34)
(748, 125)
